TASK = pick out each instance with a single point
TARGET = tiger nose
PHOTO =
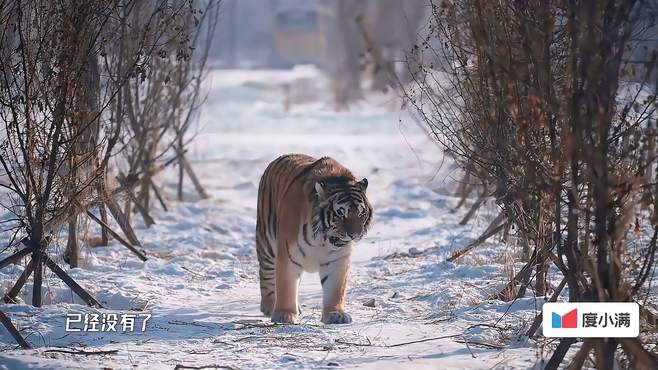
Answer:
(353, 230)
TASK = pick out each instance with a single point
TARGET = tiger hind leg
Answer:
(266, 274)
(288, 275)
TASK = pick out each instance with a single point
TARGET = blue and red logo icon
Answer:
(568, 320)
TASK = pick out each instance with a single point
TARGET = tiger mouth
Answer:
(337, 242)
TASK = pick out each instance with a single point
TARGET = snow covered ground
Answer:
(200, 283)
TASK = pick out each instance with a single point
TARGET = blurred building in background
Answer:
(357, 40)
(282, 33)
(351, 40)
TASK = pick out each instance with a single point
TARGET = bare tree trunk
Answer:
(127, 206)
(190, 173)
(10, 296)
(478, 203)
(180, 168)
(122, 219)
(560, 352)
(103, 213)
(12, 330)
(118, 237)
(346, 79)
(72, 246)
(159, 196)
(38, 278)
(14, 258)
(143, 211)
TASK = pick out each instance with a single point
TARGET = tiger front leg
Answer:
(288, 274)
(333, 277)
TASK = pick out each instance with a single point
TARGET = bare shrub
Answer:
(533, 98)
(73, 74)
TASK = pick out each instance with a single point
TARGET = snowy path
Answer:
(201, 283)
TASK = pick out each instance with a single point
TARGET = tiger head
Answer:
(342, 212)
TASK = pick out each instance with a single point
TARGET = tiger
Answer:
(310, 213)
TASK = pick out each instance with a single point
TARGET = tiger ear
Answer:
(363, 184)
(319, 189)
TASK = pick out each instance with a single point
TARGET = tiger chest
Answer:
(312, 252)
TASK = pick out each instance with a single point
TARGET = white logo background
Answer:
(600, 310)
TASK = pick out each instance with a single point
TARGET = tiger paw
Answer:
(266, 306)
(336, 317)
(284, 317)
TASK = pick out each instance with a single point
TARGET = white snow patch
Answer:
(201, 285)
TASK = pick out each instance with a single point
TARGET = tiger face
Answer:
(343, 213)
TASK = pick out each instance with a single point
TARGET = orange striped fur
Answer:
(310, 214)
